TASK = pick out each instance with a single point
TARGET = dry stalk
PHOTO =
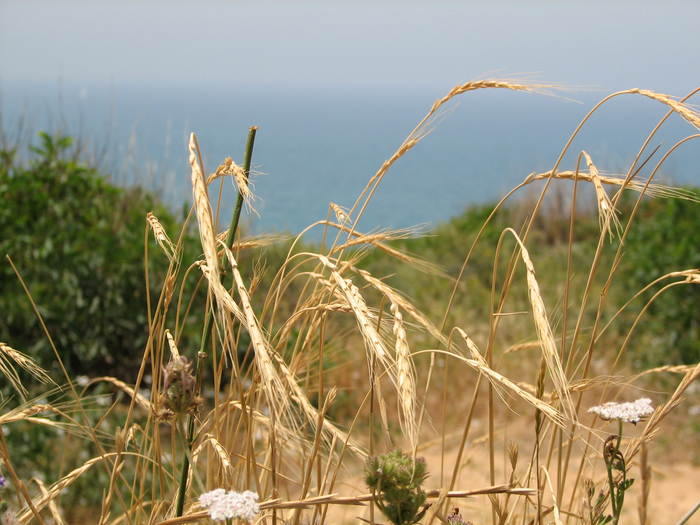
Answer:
(53, 507)
(606, 212)
(653, 189)
(311, 413)
(334, 499)
(55, 489)
(314, 303)
(285, 434)
(277, 395)
(479, 364)
(20, 414)
(424, 128)
(259, 241)
(646, 486)
(161, 237)
(204, 213)
(174, 352)
(661, 412)
(221, 453)
(373, 343)
(545, 335)
(263, 351)
(522, 346)
(378, 241)
(26, 363)
(228, 167)
(678, 369)
(139, 398)
(340, 214)
(683, 110)
(406, 378)
(120, 440)
(397, 298)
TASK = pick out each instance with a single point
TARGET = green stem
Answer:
(209, 323)
(620, 493)
(611, 486)
(614, 489)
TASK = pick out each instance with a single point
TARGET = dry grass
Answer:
(265, 425)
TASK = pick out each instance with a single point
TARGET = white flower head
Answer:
(224, 505)
(626, 412)
(208, 499)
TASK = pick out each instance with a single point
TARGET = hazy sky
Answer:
(351, 44)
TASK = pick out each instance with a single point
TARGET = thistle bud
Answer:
(179, 387)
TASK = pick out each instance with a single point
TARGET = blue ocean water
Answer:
(314, 147)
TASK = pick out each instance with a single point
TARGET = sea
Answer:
(319, 146)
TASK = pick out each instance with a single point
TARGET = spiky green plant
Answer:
(396, 481)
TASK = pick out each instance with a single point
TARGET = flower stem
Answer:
(617, 496)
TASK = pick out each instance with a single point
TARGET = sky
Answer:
(355, 45)
(169, 67)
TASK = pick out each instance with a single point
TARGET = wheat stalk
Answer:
(140, 399)
(263, 350)
(25, 362)
(544, 333)
(174, 352)
(606, 212)
(221, 453)
(53, 507)
(377, 240)
(652, 189)
(277, 395)
(405, 377)
(266, 239)
(55, 489)
(120, 439)
(425, 127)
(161, 237)
(479, 363)
(373, 343)
(340, 214)
(396, 297)
(682, 109)
(20, 414)
(228, 167)
(204, 213)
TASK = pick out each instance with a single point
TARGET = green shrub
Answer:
(666, 238)
(78, 243)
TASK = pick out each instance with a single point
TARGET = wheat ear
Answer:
(405, 377)
(544, 333)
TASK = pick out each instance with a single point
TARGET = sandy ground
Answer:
(675, 488)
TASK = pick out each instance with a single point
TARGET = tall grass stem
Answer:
(235, 218)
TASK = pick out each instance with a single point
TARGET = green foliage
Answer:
(665, 238)
(396, 480)
(78, 243)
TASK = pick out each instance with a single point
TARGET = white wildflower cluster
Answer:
(224, 505)
(625, 412)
